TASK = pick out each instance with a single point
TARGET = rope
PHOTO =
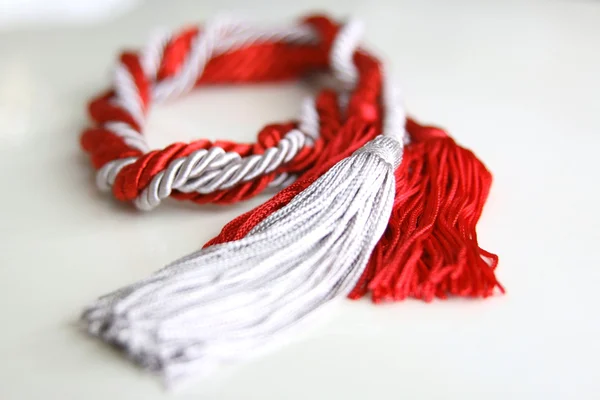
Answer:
(371, 202)
(170, 66)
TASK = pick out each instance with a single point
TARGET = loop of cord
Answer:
(226, 51)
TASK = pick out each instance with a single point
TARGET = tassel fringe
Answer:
(430, 247)
(230, 300)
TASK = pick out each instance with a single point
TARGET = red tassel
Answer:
(430, 247)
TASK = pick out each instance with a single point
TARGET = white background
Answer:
(516, 81)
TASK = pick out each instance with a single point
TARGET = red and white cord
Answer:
(373, 210)
(211, 169)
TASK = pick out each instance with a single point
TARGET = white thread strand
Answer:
(127, 96)
(152, 53)
(309, 118)
(131, 137)
(395, 115)
(282, 180)
(294, 34)
(342, 51)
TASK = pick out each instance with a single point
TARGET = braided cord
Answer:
(170, 66)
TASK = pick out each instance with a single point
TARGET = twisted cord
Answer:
(202, 171)
(233, 168)
(344, 47)
(206, 171)
(218, 38)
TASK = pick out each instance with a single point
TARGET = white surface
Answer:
(18, 13)
(515, 81)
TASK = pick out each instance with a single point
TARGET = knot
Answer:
(385, 147)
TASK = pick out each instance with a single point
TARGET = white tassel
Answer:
(229, 301)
